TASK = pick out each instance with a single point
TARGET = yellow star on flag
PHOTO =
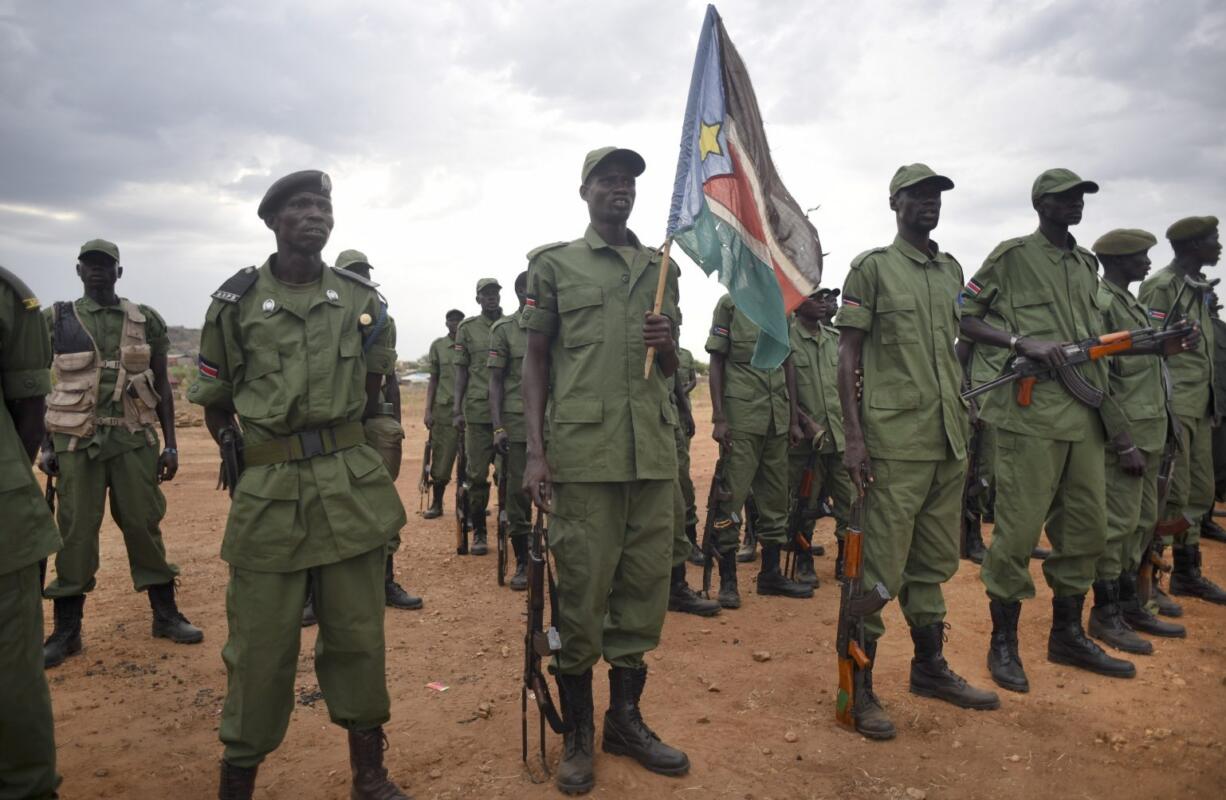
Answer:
(708, 140)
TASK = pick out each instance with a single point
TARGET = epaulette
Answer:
(855, 262)
(237, 285)
(465, 321)
(28, 301)
(536, 251)
(500, 321)
(1005, 246)
(353, 276)
(1104, 294)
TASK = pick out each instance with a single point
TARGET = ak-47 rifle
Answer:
(425, 483)
(974, 487)
(231, 443)
(539, 642)
(854, 606)
(800, 515)
(1152, 563)
(463, 522)
(49, 496)
(504, 522)
(719, 493)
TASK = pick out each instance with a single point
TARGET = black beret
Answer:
(307, 180)
(1191, 228)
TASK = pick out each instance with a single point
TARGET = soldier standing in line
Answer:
(1168, 294)
(610, 475)
(111, 393)
(686, 379)
(1209, 529)
(899, 384)
(291, 351)
(440, 394)
(27, 730)
(755, 418)
(471, 408)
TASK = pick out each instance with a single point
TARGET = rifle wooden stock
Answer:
(539, 643)
(854, 606)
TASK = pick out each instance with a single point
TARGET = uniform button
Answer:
(625, 278)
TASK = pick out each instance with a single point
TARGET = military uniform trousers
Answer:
(479, 448)
(264, 612)
(686, 483)
(983, 504)
(1132, 511)
(760, 463)
(137, 506)
(519, 505)
(386, 435)
(828, 473)
(911, 535)
(613, 545)
(681, 542)
(1191, 492)
(1057, 483)
(443, 440)
(27, 742)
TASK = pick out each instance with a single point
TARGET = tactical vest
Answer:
(77, 373)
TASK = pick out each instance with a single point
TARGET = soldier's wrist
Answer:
(174, 451)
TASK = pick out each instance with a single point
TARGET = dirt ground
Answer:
(137, 717)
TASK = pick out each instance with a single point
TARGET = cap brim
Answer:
(1089, 187)
(940, 181)
(111, 256)
(636, 162)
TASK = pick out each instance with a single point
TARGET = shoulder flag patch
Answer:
(973, 287)
(850, 301)
(719, 330)
(530, 301)
(493, 353)
(207, 368)
(1158, 314)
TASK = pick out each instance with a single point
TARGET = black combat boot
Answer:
(237, 783)
(65, 638)
(1067, 644)
(308, 605)
(729, 595)
(394, 595)
(479, 546)
(684, 599)
(838, 560)
(771, 581)
(626, 734)
(695, 557)
(370, 781)
(932, 677)
(870, 718)
(1040, 553)
(975, 551)
(519, 581)
(1139, 617)
(1003, 660)
(1186, 579)
(1107, 621)
(1211, 530)
(436, 506)
(575, 773)
(805, 574)
(748, 550)
(168, 623)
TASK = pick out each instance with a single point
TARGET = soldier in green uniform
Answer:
(440, 394)
(27, 731)
(1168, 294)
(899, 383)
(609, 479)
(111, 393)
(755, 418)
(1209, 529)
(471, 408)
(508, 339)
(1049, 452)
(292, 351)
(815, 356)
(686, 379)
(1132, 487)
(384, 431)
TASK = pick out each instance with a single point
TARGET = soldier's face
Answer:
(452, 324)
(489, 298)
(609, 193)
(98, 271)
(1210, 249)
(810, 309)
(304, 222)
(1063, 208)
(521, 292)
(1136, 266)
(918, 207)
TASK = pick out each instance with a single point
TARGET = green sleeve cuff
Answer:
(496, 359)
(23, 383)
(539, 320)
(211, 392)
(854, 317)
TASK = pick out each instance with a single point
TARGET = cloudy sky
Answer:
(454, 132)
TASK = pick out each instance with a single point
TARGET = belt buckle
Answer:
(312, 443)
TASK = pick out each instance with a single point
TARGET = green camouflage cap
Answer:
(1124, 242)
(1054, 181)
(307, 180)
(348, 258)
(100, 246)
(911, 174)
(600, 155)
(481, 284)
(1191, 228)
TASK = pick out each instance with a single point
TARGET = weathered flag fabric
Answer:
(730, 210)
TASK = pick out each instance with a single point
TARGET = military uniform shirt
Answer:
(1135, 381)
(472, 345)
(1048, 293)
(754, 399)
(907, 303)
(815, 355)
(105, 325)
(508, 343)
(1191, 370)
(442, 369)
(28, 533)
(606, 423)
(685, 369)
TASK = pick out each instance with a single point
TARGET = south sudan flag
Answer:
(730, 211)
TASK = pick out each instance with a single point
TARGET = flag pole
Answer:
(660, 283)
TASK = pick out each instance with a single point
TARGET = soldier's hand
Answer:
(658, 333)
(1184, 343)
(796, 434)
(428, 419)
(1048, 353)
(168, 465)
(687, 424)
(48, 464)
(502, 442)
(857, 463)
(457, 420)
(1132, 462)
(721, 433)
(538, 482)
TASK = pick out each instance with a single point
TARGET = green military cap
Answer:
(824, 291)
(108, 248)
(481, 284)
(347, 258)
(1191, 228)
(307, 180)
(1124, 242)
(602, 154)
(911, 174)
(1054, 181)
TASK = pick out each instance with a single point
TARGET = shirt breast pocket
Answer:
(1035, 312)
(896, 319)
(582, 318)
(261, 391)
